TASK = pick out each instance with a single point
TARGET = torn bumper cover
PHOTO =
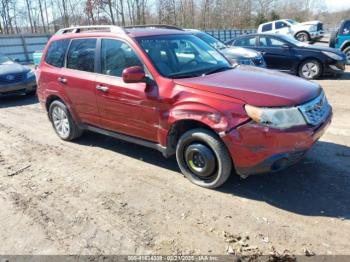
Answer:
(259, 149)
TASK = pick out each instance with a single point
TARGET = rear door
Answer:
(50, 68)
(277, 53)
(78, 79)
(130, 108)
(268, 28)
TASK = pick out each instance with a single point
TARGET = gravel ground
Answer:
(103, 196)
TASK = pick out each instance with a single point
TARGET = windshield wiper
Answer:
(183, 75)
(218, 69)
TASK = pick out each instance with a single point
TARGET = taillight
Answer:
(337, 40)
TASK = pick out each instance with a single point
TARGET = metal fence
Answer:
(227, 34)
(22, 47)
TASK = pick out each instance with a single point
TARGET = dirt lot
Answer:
(100, 195)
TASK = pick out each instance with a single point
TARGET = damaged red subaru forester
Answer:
(168, 90)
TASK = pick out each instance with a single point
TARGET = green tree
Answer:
(274, 15)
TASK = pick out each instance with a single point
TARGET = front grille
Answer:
(316, 111)
(12, 78)
(319, 27)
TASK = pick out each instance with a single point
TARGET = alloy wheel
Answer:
(310, 70)
(302, 37)
(61, 122)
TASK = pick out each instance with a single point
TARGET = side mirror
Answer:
(17, 60)
(134, 74)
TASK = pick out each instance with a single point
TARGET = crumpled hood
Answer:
(239, 52)
(256, 86)
(12, 68)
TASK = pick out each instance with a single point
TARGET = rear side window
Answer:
(81, 55)
(267, 27)
(247, 41)
(56, 53)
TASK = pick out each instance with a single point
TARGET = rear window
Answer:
(56, 53)
(267, 27)
(81, 55)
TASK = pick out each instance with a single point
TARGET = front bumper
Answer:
(334, 67)
(259, 149)
(317, 35)
(20, 87)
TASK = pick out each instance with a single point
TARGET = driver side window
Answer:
(270, 42)
(116, 55)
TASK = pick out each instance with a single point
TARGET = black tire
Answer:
(347, 54)
(332, 39)
(302, 37)
(310, 76)
(211, 146)
(74, 130)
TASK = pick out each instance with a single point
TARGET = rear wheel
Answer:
(347, 54)
(332, 39)
(310, 69)
(203, 158)
(62, 121)
(302, 37)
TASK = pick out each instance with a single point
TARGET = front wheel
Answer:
(203, 158)
(310, 69)
(302, 37)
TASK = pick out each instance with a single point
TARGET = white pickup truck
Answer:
(303, 32)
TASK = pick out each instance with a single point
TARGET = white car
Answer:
(304, 32)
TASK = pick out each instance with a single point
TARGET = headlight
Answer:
(30, 74)
(245, 62)
(281, 118)
(332, 55)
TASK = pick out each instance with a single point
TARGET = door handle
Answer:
(102, 88)
(62, 80)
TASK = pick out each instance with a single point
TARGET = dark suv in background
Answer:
(171, 91)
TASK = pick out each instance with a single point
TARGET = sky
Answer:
(337, 5)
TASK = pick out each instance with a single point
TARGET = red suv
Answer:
(169, 90)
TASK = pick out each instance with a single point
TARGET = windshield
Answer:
(4, 59)
(293, 22)
(212, 41)
(180, 56)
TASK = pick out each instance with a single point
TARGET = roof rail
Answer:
(153, 26)
(78, 29)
